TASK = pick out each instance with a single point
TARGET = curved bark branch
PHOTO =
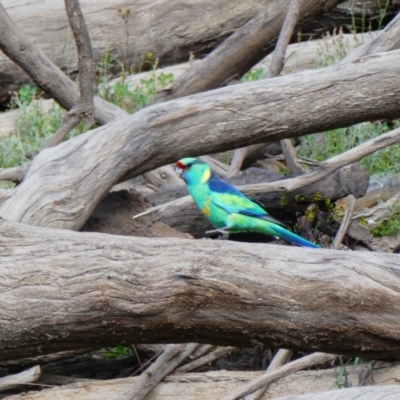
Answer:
(65, 183)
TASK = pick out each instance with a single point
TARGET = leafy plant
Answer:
(33, 128)
(118, 352)
(390, 225)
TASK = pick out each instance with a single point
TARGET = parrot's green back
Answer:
(226, 207)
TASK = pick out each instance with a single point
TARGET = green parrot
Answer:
(228, 209)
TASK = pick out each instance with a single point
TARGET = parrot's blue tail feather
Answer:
(293, 238)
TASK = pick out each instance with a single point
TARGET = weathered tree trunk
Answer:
(215, 384)
(74, 290)
(65, 183)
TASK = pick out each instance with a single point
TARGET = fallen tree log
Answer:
(62, 186)
(216, 384)
(72, 290)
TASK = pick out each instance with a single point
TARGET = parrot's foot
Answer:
(219, 230)
(224, 231)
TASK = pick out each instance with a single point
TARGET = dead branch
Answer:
(171, 357)
(206, 359)
(84, 109)
(266, 379)
(201, 124)
(285, 35)
(192, 285)
(281, 357)
(344, 226)
(22, 378)
(15, 174)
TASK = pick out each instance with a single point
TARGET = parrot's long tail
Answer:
(291, 237)
(273, 229)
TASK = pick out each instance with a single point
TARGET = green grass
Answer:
(389, 226)
(33, 128)
(340, 140)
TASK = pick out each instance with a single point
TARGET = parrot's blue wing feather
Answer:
(232, 200)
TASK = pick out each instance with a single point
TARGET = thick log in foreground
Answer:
(214, 385)
(63, 185)
(65, 290)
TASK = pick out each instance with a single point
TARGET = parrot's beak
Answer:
(179, 171)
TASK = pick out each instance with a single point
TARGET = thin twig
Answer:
(366, 372)
(344, 226)
(169, 359)
(281, 357)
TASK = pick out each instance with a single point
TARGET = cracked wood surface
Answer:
(65, 183)
(65, 290)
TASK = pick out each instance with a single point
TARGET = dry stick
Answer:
(277, 63)
(207, 359)
(201, 351)
(344, 226)
(366, 372)
(268, 378)
(326, 168)
(171, 357)
(84, 109)
(15, 174)
(22, 378)
(275, 69)
(281, 357)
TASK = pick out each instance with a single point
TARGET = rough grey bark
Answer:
(65, 183)
(74, 290)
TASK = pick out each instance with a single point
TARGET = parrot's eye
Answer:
(189, 165)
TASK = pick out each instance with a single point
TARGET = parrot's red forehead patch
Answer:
(180, 165)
